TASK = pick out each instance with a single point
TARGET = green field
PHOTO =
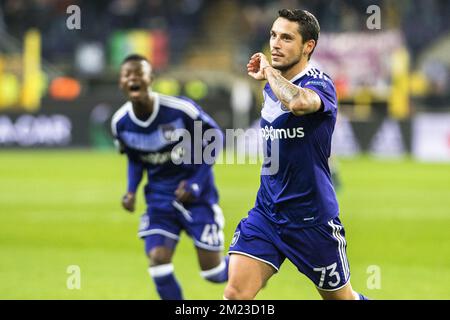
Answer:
(59, 209)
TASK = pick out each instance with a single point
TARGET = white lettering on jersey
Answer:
(285, 133)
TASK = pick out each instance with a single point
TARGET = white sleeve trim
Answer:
(179, 104)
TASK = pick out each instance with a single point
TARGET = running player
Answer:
(178, 196)
(296, 214)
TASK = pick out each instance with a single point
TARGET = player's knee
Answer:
(159, 257)
(233, 292)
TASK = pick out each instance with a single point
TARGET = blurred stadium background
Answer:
(61, 180)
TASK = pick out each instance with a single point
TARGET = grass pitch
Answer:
(61, 209)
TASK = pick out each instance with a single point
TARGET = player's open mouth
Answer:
(134, 88)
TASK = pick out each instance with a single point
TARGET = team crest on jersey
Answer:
(167, 131)
(235, 238)
(283, 107)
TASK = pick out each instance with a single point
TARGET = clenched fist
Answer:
(129, 201)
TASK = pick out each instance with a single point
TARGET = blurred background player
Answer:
(296, 214)
(179, 197)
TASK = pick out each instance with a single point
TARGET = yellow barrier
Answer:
(32, 75)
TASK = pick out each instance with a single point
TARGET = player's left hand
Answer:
(129, 201)
(183, 194)
(255, 67)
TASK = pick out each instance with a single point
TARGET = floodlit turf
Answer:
(61, 209)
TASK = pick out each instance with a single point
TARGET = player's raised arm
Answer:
(298, 100)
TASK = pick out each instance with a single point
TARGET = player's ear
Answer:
(151, 78)
(309, 47)
(148, 72)
(120, 84)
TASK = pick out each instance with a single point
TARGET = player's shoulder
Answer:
(120, 114)
(314, 76)
(180, 104)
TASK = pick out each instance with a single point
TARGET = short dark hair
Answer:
(309, 27)
(134, 57)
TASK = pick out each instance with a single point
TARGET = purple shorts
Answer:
(319, 251)
(202, 222)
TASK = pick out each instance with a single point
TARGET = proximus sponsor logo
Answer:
(158, 158)
(285, 133)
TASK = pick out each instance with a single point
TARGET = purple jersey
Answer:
(300, 192)
(149, 146)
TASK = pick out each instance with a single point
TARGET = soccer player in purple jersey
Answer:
(296, 214)
(179, 195)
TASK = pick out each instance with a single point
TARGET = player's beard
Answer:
(289, 65)
(286, 67)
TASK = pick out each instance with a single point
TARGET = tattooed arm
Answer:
(298, 100)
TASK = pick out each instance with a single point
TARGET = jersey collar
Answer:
(152, 117)
(301, 74)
